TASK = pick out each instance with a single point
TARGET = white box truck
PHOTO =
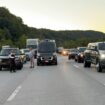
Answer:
(32, 43)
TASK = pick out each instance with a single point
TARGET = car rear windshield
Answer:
(26, 50)
(46, 47)
(32, 46)
(73, 50)
(82, 49)
(101, 46)
(6, 52)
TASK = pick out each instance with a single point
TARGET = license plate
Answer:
(46, 61)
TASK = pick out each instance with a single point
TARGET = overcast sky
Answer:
(60, 14)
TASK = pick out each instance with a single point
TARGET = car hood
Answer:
(102, 52)
(73, 52)
(46, 54)
(4, 57)
(7, 57)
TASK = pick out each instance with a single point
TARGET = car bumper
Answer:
(46, 61)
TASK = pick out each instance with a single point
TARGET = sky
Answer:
(59, 14)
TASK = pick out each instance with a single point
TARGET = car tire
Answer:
(99, 68)
(0, 68)
(38, 64)
(75, 60)
(20, 67)
(78, 61)
(87, 64)
(56, 63)
(68, 58)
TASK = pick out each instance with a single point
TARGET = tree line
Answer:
(14, 32)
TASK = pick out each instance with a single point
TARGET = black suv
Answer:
(80, 56)
(4, 58)
(72, 53)
(46, 53)
(95, 54)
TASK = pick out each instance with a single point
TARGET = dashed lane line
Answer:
(76, 66)
(12, 96)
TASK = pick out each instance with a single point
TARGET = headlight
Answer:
(64, 52)
(81, 55)
(102, 56)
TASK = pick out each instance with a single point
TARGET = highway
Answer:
(68, 83)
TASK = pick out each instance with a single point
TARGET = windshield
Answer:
(73, 50)
(26, 50)
(46, 47)
(32, 46)
(82, 49)
(6, 52)
(101, 46)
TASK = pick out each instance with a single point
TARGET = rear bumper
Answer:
(47, 61)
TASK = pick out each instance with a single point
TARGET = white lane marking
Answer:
(76, 66)
(14, 93)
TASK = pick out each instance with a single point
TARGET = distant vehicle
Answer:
(32, 43)
(72, 53)
(26, 52)
(80, 56)
(23, 57)
(6, 46)
(46, 53)
(59, 50)
(4, 58)
(65, 52)
(95, 54)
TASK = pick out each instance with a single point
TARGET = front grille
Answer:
(5, 60)
(46, 58)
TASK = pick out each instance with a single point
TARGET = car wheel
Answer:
(79, 61)
(99, 68)
(87, 64)
(75, 60)
(56, 63)
(20, 67)
(0, 68)
(68, 58)
(38, 64)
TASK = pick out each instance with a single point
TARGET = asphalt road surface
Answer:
(68, 83)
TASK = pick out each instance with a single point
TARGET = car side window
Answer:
(96, 49)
